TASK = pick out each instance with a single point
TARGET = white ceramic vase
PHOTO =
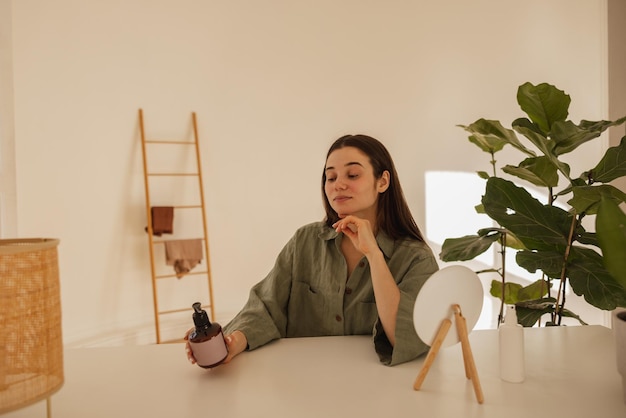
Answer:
(619, 328)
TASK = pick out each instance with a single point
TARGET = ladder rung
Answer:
(193, 273)
(171, 311)
(173, 174)
(174, 311)
(169, 142)
(164, 240)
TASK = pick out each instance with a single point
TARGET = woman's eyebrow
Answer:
(346, 165)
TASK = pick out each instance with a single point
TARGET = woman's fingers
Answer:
(235, 343)
(190, 356)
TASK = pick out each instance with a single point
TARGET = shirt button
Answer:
(348, 291)
(338, 318)
(362, 264)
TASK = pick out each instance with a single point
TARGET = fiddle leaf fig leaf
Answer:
(589, 278)
(550, 262)
(537, 226)
(585, 270)
(467, 247)
(487, 143)
(537, 170)
(491, 136)
(535, 290)
(579, 182)
(515, 293)
(611, 233)
(544, 104)
(510, 291)
(588, 238)
(569, 314)
(545, 145)
(567, 136)
(611, 166)
(531, 311)
(587, 198)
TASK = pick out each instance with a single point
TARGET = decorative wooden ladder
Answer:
(145, 143)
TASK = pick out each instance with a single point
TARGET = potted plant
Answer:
(611, 229)
(549, 236)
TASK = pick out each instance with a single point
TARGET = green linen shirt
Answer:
(306, 294)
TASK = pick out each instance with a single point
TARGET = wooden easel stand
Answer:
(468, 359)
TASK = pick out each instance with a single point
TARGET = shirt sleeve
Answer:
(408, 345)
(264, 316)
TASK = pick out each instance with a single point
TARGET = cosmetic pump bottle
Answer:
(206, 340)
(511, 338)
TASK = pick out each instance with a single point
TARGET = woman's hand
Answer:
(386, 291)
(235, 343)
(360, 233)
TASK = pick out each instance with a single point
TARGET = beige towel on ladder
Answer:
(183, 254)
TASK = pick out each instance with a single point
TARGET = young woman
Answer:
(357, 272)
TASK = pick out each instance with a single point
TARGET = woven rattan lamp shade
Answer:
(31, 344)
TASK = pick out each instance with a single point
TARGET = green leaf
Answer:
(467, 247)
(513, 242)
(531, 311)
(611, 166)
(537, 226)
(586, 199)
(567, 136)
(537, 170)
(483, 174)
(589, 278)
(569, 314)
(544, 104)
(585, 271)
(515, 292)
(588, 238)
(487, 143)
(549, 262)
(545, 145)
(491, 136)
(510, 291)
(535, 290)
(611, 232)
(574, 183)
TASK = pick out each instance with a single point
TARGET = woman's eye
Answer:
(330, 179)
(353, 176)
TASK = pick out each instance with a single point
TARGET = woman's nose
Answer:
(340, 184)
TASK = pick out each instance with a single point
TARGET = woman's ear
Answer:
(383, 182)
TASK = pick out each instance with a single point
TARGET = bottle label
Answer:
(210, 352)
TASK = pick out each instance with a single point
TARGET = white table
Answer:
(571, 372)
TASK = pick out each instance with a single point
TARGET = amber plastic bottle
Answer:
(207, 340)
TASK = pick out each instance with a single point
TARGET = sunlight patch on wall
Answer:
(450, 200)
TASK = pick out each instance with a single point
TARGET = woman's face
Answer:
(350, 187)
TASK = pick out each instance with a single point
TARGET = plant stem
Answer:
(560, 298)
(502, 276)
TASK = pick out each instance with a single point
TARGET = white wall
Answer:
(273, 84)
(8, 197)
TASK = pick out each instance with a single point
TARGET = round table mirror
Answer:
(449, 286)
